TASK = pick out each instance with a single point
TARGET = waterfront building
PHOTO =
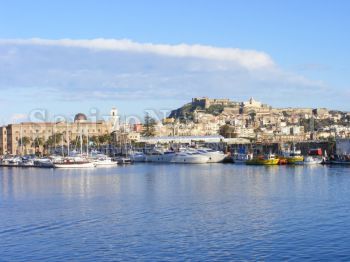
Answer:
(30, 137)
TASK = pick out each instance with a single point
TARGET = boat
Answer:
(138, 157)
(213, 155)
(100, 160)
(188, 157)
(74, 162)
(269, 159)
(241, 158)
(104, 161)
(122, 160)
(11, 161)
(310, 160)
(160, 155)
(339, 160)
(291, 156)
(43, 162)
(26, 162)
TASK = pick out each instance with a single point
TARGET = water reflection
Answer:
(175, 212)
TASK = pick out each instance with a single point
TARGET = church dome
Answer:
(80, 117)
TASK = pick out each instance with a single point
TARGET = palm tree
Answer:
(24, 141)
(37, 143)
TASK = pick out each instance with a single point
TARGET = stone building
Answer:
(26, 137)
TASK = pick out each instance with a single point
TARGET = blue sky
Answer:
(304, 44)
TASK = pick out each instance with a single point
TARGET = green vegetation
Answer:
(25, 141)
(215, 110)
(149, 126)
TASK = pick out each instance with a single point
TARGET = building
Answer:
(254, 106)
(30, 137)
(205, 102)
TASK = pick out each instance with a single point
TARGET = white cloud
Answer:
(249, 59)
(99, 70)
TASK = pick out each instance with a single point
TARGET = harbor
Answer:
(190, 153)
(181, 212)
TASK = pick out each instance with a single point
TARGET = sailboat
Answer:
(75, 161)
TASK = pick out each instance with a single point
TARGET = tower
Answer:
(114, 119)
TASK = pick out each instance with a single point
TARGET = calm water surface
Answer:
(175, 212)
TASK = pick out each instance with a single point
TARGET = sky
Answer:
(64, 57)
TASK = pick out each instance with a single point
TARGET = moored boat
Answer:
(101, 160)
(43, 162)
(291, 156)
(138, 157)
(187, 157)
(213, 155)
(74, 162)
(310, 160)
(269, 159)
(241, 158)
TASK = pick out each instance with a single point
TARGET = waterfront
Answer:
(175, 212)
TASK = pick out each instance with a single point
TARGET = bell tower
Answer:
(114, 119)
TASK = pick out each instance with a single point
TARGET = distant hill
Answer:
(187, 110)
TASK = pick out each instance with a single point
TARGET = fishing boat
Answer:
(241, 158)
(340, 160)
(269, 159)
(291, 156)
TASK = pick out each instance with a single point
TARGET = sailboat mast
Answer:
(87, 143)
(81, 142)
(62, 147)
(21, 141)
(68, 142)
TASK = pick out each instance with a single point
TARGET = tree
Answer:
(104, 139)
(37, 143)
(149, 126)
(25, 141)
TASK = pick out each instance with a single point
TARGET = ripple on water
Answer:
(160, 212)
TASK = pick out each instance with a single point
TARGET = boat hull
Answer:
(198, 159)
(74, 165)
(266, 162)
(294, 160)
(215, 158)
(105, 163)
(165, 158)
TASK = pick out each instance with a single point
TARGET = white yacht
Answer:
(26, 162)
(213, 155)
(138, 157)
(11, 161)
(160, 156)
(74, 162)
(188, 157)
(100, 160)
(310, 160)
